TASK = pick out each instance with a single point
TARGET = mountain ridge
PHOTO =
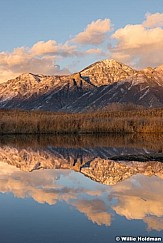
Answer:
(96, 86)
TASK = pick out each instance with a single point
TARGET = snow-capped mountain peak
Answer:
(107, 72)
(98, 85)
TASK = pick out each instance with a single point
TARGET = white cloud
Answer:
(94, 51)
(40, 58)
(95, 33)
(51, 47)
(153, 20)
(42, 47)
(138, 45)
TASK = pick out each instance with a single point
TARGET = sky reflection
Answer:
(139, 197)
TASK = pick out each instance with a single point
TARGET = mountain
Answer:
(107, 72)
(29, 91)
(95, 87)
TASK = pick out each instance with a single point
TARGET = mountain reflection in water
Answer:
(61, 170)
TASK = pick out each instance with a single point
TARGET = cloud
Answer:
(95, 33)
(94, 51)
(138, 45)
(40, 58)
(153, 20)
(42, 47)
(51, 47)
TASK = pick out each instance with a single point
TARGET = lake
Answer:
(80, 188)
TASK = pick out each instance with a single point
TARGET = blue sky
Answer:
(25, 23)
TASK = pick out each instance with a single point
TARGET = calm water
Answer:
(70, 189)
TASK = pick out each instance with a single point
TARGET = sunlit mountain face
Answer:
(77, 179)
(96, 87)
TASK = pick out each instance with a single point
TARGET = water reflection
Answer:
(69, 173)
(139, 197)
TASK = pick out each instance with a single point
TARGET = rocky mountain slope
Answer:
(100, 84)
(107, 72)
